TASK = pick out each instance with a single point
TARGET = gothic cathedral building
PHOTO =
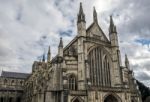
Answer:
(88, 69)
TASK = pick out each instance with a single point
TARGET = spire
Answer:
(49, 55)
(60, 43)
(43, 59)
(81, 15)
(112, 27)
(49, 50)
(126, 59)
(94, 15)
(127, 62)
(111, 21)
(60, 48)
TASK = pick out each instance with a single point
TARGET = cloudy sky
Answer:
(28, 27)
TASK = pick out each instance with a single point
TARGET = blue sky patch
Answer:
(143, 41)
(66, 33)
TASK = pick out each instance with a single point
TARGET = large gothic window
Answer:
(99, 68)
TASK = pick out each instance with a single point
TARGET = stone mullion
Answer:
(94, 69)
(68, 83)
(74, 83)
(90, 69)
(106, 72)
(98, 82)
(109, 74)
(71, 84)
(99, 67)
(102, 67)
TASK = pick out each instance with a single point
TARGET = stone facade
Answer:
(88, 69)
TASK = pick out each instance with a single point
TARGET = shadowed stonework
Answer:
(88, 69)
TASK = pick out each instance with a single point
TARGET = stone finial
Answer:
(49, 50)
(49, 54)
(127, 62)
(126, 59)
(95, 15)
(61, 42)
(112, 27)
(60, 48)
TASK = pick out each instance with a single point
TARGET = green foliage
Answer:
(145, 91)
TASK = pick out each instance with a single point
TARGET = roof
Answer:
(14, 75)
(10, 89)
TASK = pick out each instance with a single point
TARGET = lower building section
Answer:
(83, 96)
(10, 96)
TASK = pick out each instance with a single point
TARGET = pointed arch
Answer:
(99, 61)
(112, 97)
(12, 82)
(77, 99)
(5, 81)
(72, 81)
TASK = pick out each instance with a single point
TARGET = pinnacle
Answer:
(81, 15)
(61, 42)
(112, 27)
(49, 50)
(94, 15)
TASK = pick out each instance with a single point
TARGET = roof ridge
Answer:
(14, 72)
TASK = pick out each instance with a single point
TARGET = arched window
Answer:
(72, 82)
(99, 66)
(5, 81)
(21, 82)
(12, 82)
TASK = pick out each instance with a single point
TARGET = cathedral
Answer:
(88, 69)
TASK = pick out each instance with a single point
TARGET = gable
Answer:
(71, 48)
(94, 30)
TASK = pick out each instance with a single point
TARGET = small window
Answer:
(5, 81)
(21, 83)
(72, 82)
(12, 82)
